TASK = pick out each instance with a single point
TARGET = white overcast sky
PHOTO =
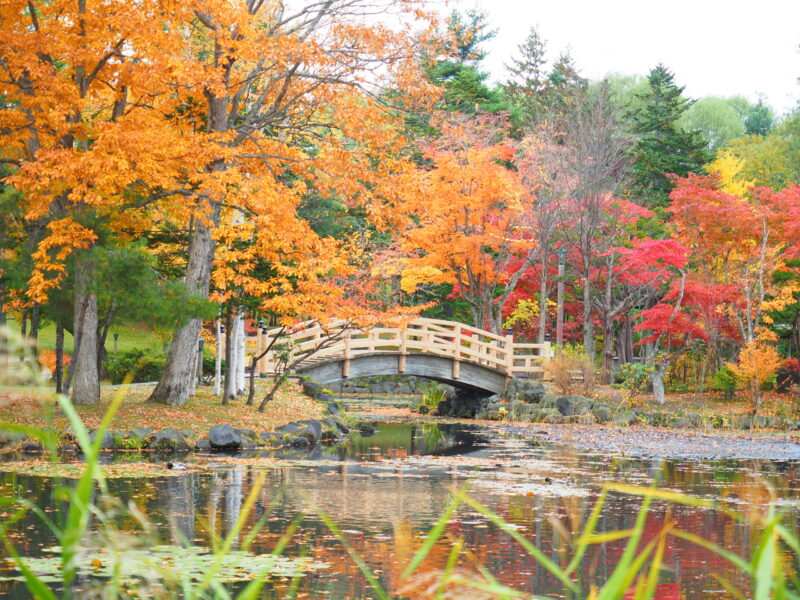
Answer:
(714, 47)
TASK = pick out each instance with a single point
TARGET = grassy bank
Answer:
(204, 410)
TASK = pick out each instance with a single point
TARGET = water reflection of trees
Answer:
(386, 512)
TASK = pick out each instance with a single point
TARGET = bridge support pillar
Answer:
(401, 359)
(457, 352)
(346, 361)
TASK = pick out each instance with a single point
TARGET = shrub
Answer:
(635, 376)
(144, 366)
(210, 363)
(432, 396)
(792, 364)
(724, 380)
(572, 370)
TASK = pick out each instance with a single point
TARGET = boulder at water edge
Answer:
(224, 437)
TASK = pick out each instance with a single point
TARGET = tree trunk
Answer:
(796, 333)
(240, 354)
(173, 388)
(608, 350)
(229, 388)
(59, 374)
(218, 361)
(3, 340)
(657, 377)
(251, 393)
(624, 342)
(543, 301)
(36, 317)
(86, 380)
(496, 322)
(588, 326)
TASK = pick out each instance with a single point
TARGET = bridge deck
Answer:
(311, 343)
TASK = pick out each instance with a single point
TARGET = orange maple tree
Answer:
(86, 89)
(469, 224)
(193, 116)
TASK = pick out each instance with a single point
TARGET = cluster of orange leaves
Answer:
(47, 358)
(108, 114)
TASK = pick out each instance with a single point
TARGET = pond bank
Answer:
(633, 441)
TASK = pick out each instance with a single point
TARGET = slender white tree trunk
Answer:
(218, 361)
(543, 300)
(229, 391)
(588, 325)
(241, 380)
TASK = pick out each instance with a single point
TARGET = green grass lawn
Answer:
(131, 337)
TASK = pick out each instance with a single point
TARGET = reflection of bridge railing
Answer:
(459, 342)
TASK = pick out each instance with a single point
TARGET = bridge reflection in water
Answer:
(442, 350)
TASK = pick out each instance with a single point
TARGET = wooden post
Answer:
(510, 355)
(261, 365)
(346, 362)
(457, 352)
(401, 360)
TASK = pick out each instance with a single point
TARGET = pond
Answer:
(385, 492)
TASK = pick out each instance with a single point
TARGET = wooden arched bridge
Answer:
(446, 351)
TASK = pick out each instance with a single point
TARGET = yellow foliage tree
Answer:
(758, 362)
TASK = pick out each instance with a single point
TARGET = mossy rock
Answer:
(548, 401)
(520, 411)
(661, 419)
(11, 438)
(127, 441)
(168, 439)
(107, 442)
(271, 439)
(602, 413)
(625, 418)
(545, 415)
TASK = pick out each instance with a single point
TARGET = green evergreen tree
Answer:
(526, 87)
(459, 74)
(662, 146)
(533, 93)
(759, 120)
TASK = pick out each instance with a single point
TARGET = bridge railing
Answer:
(313, 342)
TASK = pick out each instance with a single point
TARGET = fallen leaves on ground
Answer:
(203, 411)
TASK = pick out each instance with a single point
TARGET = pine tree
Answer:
(527, 85)
(663, 147)
(759, 120)
(465, 87)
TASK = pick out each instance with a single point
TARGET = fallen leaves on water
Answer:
(169, 563)
(74, 470)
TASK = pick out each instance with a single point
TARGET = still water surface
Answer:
(386, 491)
